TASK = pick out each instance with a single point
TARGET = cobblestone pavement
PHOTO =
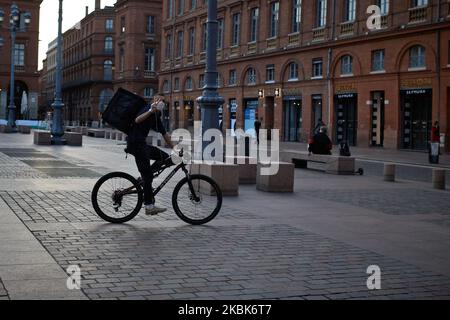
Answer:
(313, 244)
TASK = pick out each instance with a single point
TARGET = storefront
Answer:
(316, 108)
(346, 118)
(189, 113)
(250, 115)
(416, 108)
(292, 118)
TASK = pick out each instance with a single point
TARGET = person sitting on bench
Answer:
(320, 143)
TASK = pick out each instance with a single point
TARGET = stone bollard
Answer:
(438, 179)
(389, 172)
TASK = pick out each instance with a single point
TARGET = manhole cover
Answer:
(48, 164)
(69, 172)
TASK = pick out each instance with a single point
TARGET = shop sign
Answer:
(345, 88)
(416, 83)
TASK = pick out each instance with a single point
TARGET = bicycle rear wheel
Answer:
(117, 197)
(199, 204)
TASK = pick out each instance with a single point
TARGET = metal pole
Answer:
(57, 129)
(12, 107)
(210, 99)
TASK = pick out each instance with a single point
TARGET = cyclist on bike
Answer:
(149, 118)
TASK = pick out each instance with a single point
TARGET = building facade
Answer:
(88, 60)
(137, 50)
(26, 60)
(375, 81)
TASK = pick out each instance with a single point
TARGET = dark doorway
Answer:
(416, 118)
(189, 113)
(19, 88)
(346, 118)
(250, 115)
(377, 119)
(316, 113)
(176, 106)
(292, 119)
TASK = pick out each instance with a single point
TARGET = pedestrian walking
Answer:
(258, 124)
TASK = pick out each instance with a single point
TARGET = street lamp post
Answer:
(57, 128)
(14, 27)
(210, 99)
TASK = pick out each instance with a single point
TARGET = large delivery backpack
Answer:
(122, 110)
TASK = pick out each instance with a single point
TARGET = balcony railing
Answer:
(347, 28)
(384, 22)
(189, 59)
(319, 34)
(202, 56)
(235, 51)
(418, 14)
(19, 68)
(294, 39)
(272, 43)
(149, 74)
(219, 54)
(251, 48)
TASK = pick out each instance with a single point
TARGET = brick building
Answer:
(47, 80)
(137, 51)
(26, 59)
(88, 60)
(292, 62)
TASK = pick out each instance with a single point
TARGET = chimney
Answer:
(97, 4)
(87, 11)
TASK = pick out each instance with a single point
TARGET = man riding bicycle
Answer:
(149, 118)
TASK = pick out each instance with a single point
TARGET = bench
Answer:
(282, 181)
(248, 168)
(226, 175)
(96, 133)
(24, 129)
(328, 163)
(74, 139)
(42, 137)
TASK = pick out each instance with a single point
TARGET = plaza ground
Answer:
(313, 244)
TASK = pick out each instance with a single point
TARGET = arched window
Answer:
(108, 45)
(251, 76)
(417, 57)
(293, 71)
(149, 93)
(107, 70)
(347, 65)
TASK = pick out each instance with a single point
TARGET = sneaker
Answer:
(153, 210)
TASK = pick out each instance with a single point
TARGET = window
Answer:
(384, 6)
(417, 57)
(219, 81)
(109, 25)
(347, 65)
(378, 60)
(170, 11)
(219, 33)
(321, 13)
(419, 3)
(150, 27)
(204, 37)
(293, 71)
(274, 16)
(180, 7)
(254, 16)
(179, 44)
(270, 73)
(296, 15)
(236, 29)
(107, 70)
(448, 53)
(350, 10)
(108, 45)
(122, 59)
(201, 81)
(193, 4)
(169, 46)
(317, 68)
(191, 48)
(251, 76)
(122, 24)
(176, 85)
(149, 59)
(189, 85)
(232, 80)
(149, 93)
(19, 54)
(166, 86)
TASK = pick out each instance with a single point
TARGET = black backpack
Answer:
(122, 110)
(344, 149)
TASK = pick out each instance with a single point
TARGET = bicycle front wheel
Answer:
(197, 200)
(117, 197)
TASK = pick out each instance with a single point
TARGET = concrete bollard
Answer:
(438, 179)
(389, 172)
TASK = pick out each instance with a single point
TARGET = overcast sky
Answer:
(73, 11)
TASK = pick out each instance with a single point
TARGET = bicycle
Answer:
(123, 197)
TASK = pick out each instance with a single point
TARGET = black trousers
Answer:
(143, 153)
